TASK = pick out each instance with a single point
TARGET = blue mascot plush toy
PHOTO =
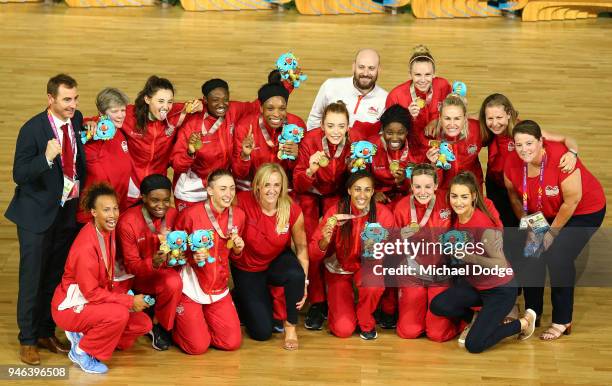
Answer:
(175, 243)
(361, 154)
(287, 65)
(456, 239)
(202, 240)
(460, 89)
(372, 233)
(291, 133)
(446, 156)
(106, 130)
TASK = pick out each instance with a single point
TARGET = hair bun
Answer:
(421, 50)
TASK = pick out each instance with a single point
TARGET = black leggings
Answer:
(253, 298)
(560, 261)
(499, 196)
(488, 328)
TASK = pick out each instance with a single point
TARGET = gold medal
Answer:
(188, 107)
(394, 166)
(332, 221)
(198, 145)
(414, 226)
(420, 102)
(230, 244)
(323, 161)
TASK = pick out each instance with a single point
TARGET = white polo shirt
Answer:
(362, 108)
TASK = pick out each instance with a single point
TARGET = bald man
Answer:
(363, 98)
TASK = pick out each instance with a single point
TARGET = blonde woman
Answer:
(274, 221)
(463, 136)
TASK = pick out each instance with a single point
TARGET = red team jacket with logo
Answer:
(216, 149)
(262, 153)
(401, 95)
(137, 244)
(349, 256)
(262, 242)
(108, 161)
(213, 277)
(593, 198)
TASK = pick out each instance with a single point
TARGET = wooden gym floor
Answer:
(557, 73)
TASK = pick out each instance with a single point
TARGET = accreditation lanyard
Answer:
(540, 185)
(72, 143)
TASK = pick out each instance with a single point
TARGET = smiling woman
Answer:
(574, 206)
(97, 319)
(274, 222)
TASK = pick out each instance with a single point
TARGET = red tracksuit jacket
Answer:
(349, 256)
(150, 149)
(213, 277)
(85, 267)
(262, 153)
(216, 150)
(137, 244)
(401, 95)
(327, 180)
(108, 161)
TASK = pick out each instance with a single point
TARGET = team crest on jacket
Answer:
(511, 146)
(373, 111)
(124, 146)
(285, 230)
(552, 190)
(180, 309)
(444, 213)
(472, 149)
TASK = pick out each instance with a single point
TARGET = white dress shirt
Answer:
(363, 108)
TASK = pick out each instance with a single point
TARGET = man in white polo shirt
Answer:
(363, 98)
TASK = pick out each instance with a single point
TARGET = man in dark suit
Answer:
(48, 169)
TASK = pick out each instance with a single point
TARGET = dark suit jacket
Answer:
(39, 188)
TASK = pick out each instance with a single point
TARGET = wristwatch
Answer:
(574, 152)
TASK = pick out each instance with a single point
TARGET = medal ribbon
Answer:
(107, 263)
(426, 216)
(415, 97)
(403, 156)
(149, 221)
(264, 132)
(339, 149)
(214, 127)
(215, 223)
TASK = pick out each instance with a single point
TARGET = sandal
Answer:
(556, 332)
(530, 316)
(290, 344)
(513, 315)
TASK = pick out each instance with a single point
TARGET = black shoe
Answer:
(315, 318)
(160, 339)
(368, 335)
(387, 321)
(278, 326)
